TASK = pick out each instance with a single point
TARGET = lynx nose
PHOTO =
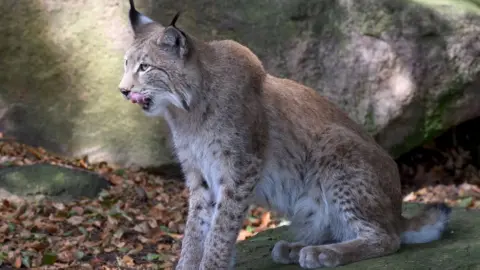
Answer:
(125, 92)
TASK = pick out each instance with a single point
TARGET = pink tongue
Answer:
(136, 97)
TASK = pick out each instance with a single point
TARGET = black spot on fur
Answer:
(213, 203)
(229, 193)
(206, 113)
(240, 198)
(301, 175)
(204, 184)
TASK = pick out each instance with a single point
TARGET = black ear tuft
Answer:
(136, 18)
(174, 20)
(175, 38)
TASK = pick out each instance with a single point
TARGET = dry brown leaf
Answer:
(112, 221)
(119, 244)
(90, 244)
(243, 235)
(265, 219)
(137, 249)
(128, 261)
(109, 249)
(142, 228)
(75, 220)
(143, 239)
(77, 209)
(4, 228)
(18, 262)
(37, 245)
(59, 206)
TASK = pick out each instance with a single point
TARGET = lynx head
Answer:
(160, 68)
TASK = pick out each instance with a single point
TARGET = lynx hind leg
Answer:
(309, 224)
(362, 248)
(361, 228)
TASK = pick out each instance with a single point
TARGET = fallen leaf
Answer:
(66, 256)
(18, 262)
(465, 202)
(78, 210)
(128, 261)
(49, 258)
(75, 220)
(243, 234)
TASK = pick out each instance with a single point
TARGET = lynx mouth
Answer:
(147, 102)
(140, 99)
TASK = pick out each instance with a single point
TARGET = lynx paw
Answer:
(285, 253)
(316, 257)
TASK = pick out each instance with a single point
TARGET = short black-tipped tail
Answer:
(426, 226)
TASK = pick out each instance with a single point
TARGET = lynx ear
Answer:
(175, 39)
(136, 18)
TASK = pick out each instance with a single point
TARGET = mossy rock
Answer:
(50, 181)
(405, 82)
(458, 249)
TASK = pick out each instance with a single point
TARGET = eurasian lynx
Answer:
(244, 136)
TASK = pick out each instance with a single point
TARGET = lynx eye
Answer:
(143, 67)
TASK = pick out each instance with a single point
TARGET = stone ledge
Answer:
(458, 249)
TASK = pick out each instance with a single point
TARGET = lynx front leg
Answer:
(234, 199)
(201, 204)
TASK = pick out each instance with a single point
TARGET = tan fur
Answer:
(245, 136)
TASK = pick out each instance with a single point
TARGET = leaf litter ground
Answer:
(138, 223)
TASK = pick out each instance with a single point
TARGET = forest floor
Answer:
(139, 221)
